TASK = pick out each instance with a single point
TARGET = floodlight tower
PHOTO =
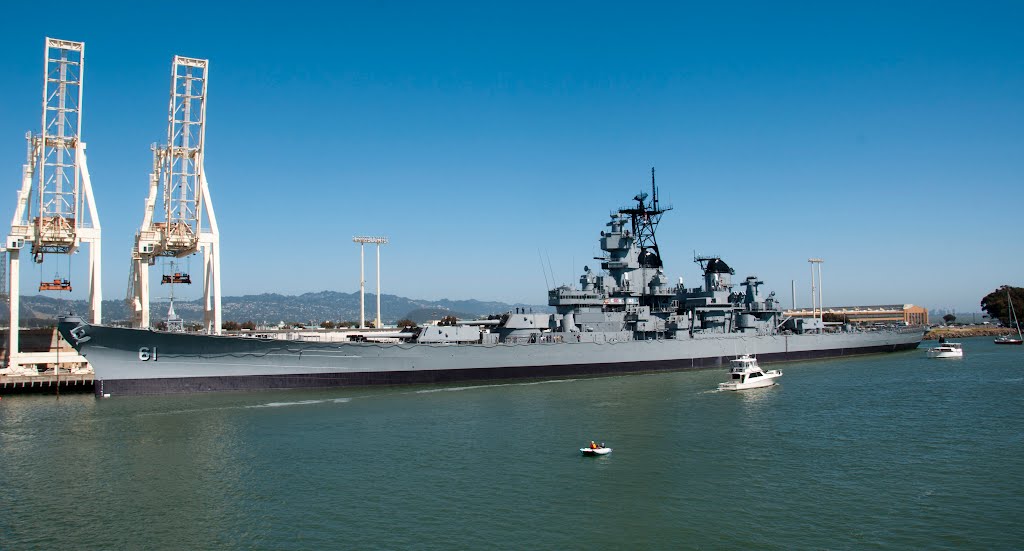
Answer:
(363, 240)
(56, 211)
(187, 221)
(820, 311)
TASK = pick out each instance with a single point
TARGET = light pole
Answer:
(363, 240)
(821, 307)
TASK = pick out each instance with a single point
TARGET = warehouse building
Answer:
(908, 314)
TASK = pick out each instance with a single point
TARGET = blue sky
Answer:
(884, 137)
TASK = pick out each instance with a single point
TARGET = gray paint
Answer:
(621, 320)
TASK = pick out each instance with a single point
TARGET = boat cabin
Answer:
(742, 364)
(740, 375)
(744, 368)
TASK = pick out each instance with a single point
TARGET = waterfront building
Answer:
(886, 313)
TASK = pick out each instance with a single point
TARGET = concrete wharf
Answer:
(50, 365)
(47, 383)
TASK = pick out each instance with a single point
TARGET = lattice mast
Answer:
(56, 211)
(645, 217)
(186, 223)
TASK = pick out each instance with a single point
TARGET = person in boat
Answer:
(593, 446)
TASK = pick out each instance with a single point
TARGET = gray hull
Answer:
(137, 361)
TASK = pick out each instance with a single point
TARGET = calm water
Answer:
(887, 452)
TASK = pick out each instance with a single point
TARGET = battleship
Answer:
(626, 317)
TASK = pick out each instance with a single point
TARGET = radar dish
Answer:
(649, 259)
(718, 266)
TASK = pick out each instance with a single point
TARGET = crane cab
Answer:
(177, 277)
(55, 285)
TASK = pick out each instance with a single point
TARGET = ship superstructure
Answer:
(633, 299)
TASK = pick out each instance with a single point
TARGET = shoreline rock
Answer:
(966, 332)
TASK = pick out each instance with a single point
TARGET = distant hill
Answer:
(271, 308)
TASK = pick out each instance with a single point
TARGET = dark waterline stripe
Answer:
(188, 385)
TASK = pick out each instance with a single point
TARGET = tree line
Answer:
(995, 304)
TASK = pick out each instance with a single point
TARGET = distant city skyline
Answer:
(489, 142)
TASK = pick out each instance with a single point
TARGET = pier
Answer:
(46, 383)
(49, 365)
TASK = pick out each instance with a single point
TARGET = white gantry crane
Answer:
(55, 212)
(186, 223)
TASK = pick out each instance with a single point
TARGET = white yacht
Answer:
(946, 350)
(744, 373)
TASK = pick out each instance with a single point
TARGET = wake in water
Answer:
(301, 403)
(471, 387)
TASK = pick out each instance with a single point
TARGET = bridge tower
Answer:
(185, 223)
(55, 212)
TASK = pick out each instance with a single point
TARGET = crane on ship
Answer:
(185, 224)
(56, 211)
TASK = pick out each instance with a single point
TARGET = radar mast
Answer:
(645, 217)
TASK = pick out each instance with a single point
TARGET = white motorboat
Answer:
(594, 449)
(946, 350)
(744, 373)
